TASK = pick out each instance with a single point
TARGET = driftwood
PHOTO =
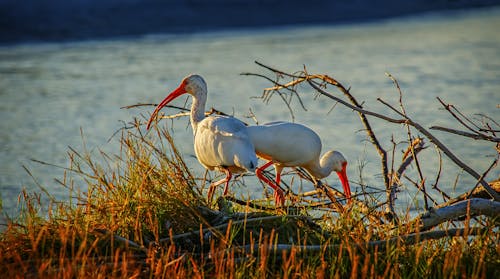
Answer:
(466, 208)
(380, 245)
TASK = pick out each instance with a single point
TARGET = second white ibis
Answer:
(286, 144)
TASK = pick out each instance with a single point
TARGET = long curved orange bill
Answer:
(174, 94)
(345, 182)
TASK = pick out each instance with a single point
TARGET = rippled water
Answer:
(48, 92)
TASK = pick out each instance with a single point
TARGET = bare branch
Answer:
(421, 185)
(450, 109)
(438, 176)
(476, 136)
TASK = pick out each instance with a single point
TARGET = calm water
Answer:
(48, 92)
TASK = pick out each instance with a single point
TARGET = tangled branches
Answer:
(286, 86)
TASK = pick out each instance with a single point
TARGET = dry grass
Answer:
(143, 216)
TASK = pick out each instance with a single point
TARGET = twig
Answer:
(421, 185)
(476, 136)
(476, 131)
(450, 155)
(330, 196)
(449, 108)
(417, 145)
(438, 176)
(266, 94)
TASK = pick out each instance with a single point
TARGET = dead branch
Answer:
(448, 153)
(421, 129)
(409, 239)
(224, 226)
(431, 137)
(250, 204)
(471, 207)
(417, 145)
(329, 193)
(476, 192)
(120, 239)
(410, 139)
(476, 136)
(438, 176)
(475, 131)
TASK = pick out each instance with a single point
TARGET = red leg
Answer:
(259, 174)
(278, 176)
(228, 178)
(278, 193)
(259, 170)
(212, 186)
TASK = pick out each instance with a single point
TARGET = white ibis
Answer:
(220, 142)
(287, 144)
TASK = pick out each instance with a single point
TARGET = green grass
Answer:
(143, 215)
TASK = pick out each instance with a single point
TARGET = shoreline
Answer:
(87, 20)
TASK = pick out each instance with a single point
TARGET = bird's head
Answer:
(339, 165)
(338, 161)
(193, 84)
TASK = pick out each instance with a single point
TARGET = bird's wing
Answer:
(285, 142)
(222, 141)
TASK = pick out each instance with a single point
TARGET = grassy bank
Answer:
(143, 215)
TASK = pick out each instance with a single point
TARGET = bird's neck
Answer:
(321, 168)
(198, 110)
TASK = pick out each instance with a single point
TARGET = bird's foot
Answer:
(210, 194)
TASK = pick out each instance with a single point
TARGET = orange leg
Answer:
(278, 193)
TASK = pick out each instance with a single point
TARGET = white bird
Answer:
(220, 142)
(286, 144)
